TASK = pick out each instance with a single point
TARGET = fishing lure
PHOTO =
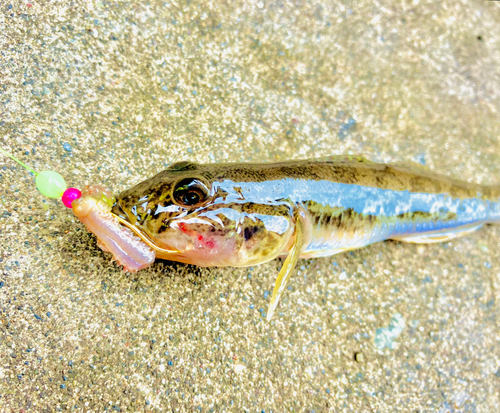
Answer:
(247, 214)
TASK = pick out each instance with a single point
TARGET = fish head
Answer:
(192, 212)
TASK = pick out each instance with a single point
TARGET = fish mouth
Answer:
(123, 217)
(145, 238)
(129, 245)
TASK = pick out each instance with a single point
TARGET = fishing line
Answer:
(52, 185)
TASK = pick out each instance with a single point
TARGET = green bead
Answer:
(50, 184)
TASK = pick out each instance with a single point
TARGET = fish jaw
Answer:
(212, 239)
(93, 209)
(198, 248)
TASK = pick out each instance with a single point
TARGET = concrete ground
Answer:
(113, 92)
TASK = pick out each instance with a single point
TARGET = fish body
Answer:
(251, 210)
(247, 214)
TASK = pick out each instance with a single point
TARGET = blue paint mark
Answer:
(385, 336)
(421, 158)
(346, 128)
(67, 147)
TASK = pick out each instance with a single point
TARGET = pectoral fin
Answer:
(287, 269)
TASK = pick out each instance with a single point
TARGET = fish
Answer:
(244, 214)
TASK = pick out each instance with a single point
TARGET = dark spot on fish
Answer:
(221, 193)
(380, 181)
(249, 232)
(288, 170)
(348, 213)
(327, 220)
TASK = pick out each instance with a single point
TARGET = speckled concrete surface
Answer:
(111, 92)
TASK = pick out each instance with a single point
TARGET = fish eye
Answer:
(190, 192)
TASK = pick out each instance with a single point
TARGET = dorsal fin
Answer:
(343, 159)
(183, 166)
(410, 166)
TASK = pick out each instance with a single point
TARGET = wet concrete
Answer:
(112, 93)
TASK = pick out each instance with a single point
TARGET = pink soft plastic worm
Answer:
(93, 209)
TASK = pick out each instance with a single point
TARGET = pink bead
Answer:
(70, 195)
